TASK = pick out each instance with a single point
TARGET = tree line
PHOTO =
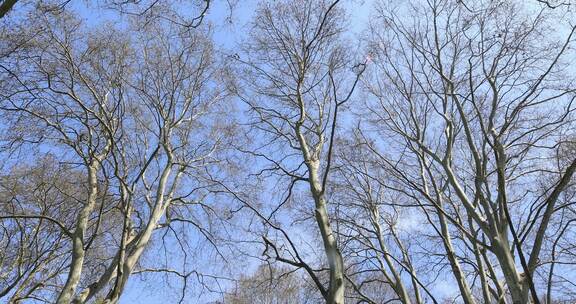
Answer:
(427, 157)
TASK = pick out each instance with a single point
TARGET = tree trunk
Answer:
(78, 250)
(333, 254)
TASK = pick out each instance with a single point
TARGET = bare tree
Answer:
(35, 199)
(135, 118)
(443, 157)
(297, 72)
(270, 285)
(141, 8)
(378, 237)
(478, 100)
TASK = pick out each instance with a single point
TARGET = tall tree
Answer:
(137, 118)
(297, 71)
(478, 101)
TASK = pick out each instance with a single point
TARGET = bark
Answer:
(333, 254)
(78, 250)
(481, 268)
(501, 250)
(454, 264)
